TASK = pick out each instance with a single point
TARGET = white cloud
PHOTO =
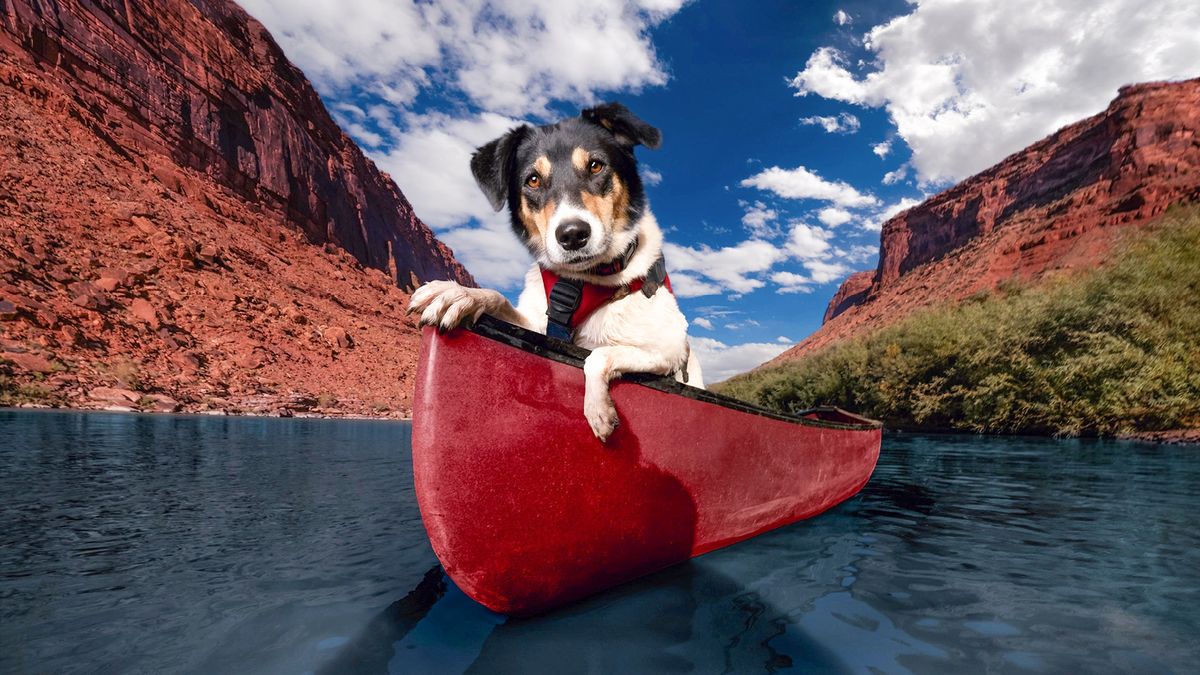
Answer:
(760, 220)
(783, 338)
(841, 18)
(650, 176)
(859, 253)
(505, 56)
(833, 216)
(800, 183)
(724, 269)
(876, 221)
(807, 242)
(968, 82)
(689, 286)
(721, 361)
(823, 272)
(702, 322)
(843, 123)
(790, 282)
(882, 149)
(893, 177)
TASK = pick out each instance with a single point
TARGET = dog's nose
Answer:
(573, 234)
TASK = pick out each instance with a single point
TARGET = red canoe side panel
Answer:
(527, 510)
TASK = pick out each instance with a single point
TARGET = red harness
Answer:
(593, 296)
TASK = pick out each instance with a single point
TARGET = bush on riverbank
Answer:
(1113, 351)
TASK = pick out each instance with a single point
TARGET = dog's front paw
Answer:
(601, 414)
(446, 304)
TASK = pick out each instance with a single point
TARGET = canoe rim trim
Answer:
(572, 355)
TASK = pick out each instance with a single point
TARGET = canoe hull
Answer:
(527, 510)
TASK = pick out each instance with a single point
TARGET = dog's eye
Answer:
(534, 181)
(595, 166)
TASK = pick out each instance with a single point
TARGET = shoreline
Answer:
(1173, 437)
(314, 414)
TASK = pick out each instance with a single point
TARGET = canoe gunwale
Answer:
(574, 355)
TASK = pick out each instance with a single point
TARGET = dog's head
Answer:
(572, 187)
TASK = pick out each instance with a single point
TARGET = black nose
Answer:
(573, 234)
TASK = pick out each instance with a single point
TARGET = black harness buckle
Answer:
(561, 306)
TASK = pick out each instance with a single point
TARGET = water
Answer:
(219, 545)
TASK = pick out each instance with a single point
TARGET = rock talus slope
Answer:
(183, 225)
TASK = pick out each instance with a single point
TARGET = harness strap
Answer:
(569, 302)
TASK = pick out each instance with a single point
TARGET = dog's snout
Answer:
(573, 234)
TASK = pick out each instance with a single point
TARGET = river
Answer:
(156, 544)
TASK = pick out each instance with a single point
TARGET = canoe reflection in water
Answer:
(665, 623)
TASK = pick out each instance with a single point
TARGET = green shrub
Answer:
(1111, 351)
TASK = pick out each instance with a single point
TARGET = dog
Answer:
(577, 202)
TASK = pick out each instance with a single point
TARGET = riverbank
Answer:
(1112, 352)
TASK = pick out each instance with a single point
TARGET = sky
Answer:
(791, 129)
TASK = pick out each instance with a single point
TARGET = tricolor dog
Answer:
(599, 280)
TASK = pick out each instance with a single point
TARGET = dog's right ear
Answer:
(492, 165)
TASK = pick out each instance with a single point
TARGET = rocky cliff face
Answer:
(1057, 205)
(201, 86)
(182, 224)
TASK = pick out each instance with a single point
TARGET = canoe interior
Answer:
(572, 355)
(527, 510)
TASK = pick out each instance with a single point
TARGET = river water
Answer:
(158, 544)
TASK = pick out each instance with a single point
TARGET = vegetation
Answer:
(1113, 351)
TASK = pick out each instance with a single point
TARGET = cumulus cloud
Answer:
(790, 282)
(731, 268)
(967, 82)
(760, 220)
(893, 177)
(505, 56)
(843, 123)
(876, 221)
(702, 322)
(690, 286)
(841, 18)
(722, 361)
(650, 176)
(801, 183)
(881, 150)
(833, 216)
(808, 242)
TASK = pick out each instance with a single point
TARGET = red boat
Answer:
(527, 510)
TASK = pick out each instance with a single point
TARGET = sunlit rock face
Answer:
(1056, 206)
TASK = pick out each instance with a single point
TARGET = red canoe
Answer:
(527, 510)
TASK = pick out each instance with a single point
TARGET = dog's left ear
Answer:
(628, 129)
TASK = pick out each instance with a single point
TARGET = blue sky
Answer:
(792, 130)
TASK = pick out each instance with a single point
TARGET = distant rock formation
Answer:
(1057, 205)
(184, 226)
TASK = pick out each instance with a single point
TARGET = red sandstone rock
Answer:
(337, 337)
(202, 86)
(168, 150)
(143, 311)
(850, 293)
(114, 395)
(1057, 205)
(30, 362)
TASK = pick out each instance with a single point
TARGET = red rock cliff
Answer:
(182, 225)
(201, 85)
(1057, 205)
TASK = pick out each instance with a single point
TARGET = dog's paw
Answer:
(446, 304)
(601, 415)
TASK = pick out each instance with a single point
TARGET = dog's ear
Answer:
(492, 165)
(628, 129)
